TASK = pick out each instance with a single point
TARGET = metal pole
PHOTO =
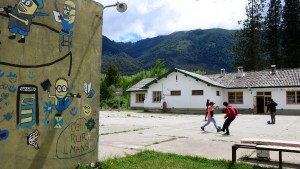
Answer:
(118, 103)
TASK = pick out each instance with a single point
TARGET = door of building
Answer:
(260, 104)
(262, 100)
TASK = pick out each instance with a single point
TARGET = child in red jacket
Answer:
(231, 113)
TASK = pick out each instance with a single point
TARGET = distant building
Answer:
(181, 91)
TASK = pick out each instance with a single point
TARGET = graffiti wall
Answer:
(50, 53)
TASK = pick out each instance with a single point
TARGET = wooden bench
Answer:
(269, 145)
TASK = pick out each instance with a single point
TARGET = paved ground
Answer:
(124, 133)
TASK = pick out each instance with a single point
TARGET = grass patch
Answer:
(158, 160)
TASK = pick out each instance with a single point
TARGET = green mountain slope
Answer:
(207, 50)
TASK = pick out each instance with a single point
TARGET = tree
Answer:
(248, 49)
(273, 32)
(108, 84)
(159, 69)
(291, 33)
(112, 77)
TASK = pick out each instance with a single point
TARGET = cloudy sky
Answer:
(150, 18)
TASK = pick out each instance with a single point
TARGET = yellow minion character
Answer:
(68, 16)
(21, 17)
(62, 98)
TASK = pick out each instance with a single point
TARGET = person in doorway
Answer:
(207, 104)
(272, 109)
(210, 115)
(231, 113)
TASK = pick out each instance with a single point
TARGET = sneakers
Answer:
(226, 134)
(12, 37)
(218, 130)
(202, 128)
(22, 40)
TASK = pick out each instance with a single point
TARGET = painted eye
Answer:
(58, 88)
(28, 3)
(64, 88)
(23, 1)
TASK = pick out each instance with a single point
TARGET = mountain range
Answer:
(206, 50)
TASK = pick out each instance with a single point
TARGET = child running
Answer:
(210, 115)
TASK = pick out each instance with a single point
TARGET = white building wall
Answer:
(278, 95)
(185, 84)
(186, 101)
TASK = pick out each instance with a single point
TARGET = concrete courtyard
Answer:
(123, 133)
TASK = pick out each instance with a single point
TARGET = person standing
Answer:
(272, 109)
(207, 104)
(231, 113)
(210, 115)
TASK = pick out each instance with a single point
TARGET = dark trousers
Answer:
(227, 124)
(273, 117)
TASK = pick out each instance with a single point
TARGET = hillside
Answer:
(207, 50)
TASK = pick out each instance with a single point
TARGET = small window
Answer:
(197, 92)
(156, 96)
(218, 93)
(139, 98)
(293, 97)
(268, 93)
(235, 97)
(175, 93)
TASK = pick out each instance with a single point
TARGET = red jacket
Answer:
(231, 112)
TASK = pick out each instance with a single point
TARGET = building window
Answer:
(156, 96)
(197, 92)
(139, 98)
(218, 93)
(175, 93)
(293, 97)
(235, 97)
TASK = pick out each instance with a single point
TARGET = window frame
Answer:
(156, 96)
(296, 97)
(139, 97)
(236, 97)
(175, 93)
(194, 92)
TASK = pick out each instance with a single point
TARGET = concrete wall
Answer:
(48, 109)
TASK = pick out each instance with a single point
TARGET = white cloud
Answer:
(149, 18)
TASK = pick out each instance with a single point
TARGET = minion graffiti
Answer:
(66, 18)
(62, 98)
(20, 17)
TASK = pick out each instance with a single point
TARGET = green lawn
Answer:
(157, 160)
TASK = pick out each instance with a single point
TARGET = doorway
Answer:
(262, 100)
(260, 104)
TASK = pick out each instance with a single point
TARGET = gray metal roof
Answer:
(201, 78)
(253, 79)
(139, 85)
(259, 79)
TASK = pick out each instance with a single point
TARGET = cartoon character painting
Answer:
(21, 15)
(62, 98)
(66, 18)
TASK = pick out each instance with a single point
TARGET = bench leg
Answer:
(234, 154)
(280, 159)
